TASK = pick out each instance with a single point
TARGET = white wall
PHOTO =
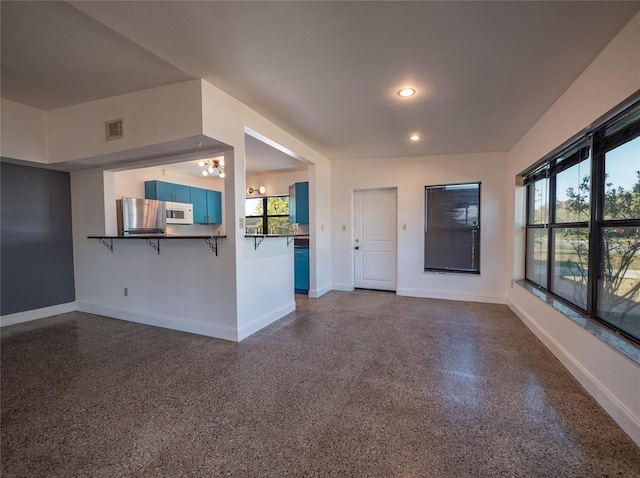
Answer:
(320, 251)
(276, 182)
(185, 287)
(24, 132)
(267, 284)
(150, 117)
(130, 183)
(410, 176)
(612, 378)
(227, 120)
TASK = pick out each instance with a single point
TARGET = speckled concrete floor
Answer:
(352, 384)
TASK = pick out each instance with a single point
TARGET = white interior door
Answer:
(375, 239)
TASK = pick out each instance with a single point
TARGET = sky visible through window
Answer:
(621, 165)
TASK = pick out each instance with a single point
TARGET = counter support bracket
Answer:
(155, 246)
(257, 241)
(290, 240)
(108, 245)
(214, 247)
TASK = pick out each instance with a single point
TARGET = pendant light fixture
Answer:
(212, 166)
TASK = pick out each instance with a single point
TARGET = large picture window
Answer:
(452, 228)
(268, 215)
(583, 223)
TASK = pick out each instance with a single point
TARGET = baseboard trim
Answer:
(315, 293)
(618, 411)
(36, 314)
(157, 320)
(436, 294)
(343, 287)
(264, 320)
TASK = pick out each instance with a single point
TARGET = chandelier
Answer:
(211, 166)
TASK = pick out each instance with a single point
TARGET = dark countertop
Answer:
(159, 236)
(300, 241)
(276, 235)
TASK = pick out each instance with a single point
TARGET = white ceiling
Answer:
(259, 158)
(54, 55)
(326, 71)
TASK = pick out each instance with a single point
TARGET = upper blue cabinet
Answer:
(214, 206)
(162, 191)
(299, 203)
(207, 206)
(199, 201)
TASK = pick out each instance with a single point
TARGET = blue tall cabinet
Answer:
(299, 203)
(299, 214)
(301, 270)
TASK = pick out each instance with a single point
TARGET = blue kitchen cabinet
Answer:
(299, 203)
(199, 201)
(207, 206)
(301, 270)
(158, 190)
(163, 191)
(214, 206)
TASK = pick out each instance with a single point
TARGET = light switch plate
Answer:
(241, 223)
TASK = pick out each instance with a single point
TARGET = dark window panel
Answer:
(452, 237)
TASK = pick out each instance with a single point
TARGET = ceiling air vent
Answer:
(113, 129)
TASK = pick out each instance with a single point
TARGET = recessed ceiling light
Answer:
(406, 92)
(201, 164)
(205, 173)
(414, 137)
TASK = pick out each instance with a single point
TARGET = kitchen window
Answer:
(268, 215)
(452, 228)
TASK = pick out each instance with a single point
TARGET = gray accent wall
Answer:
(36, 244)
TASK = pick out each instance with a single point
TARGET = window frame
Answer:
(477, 228)
(600, 144)
(530, 225)
(265, 214)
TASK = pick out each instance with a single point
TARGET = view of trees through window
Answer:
(619, 284)
(268, 215)
(583, 227)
